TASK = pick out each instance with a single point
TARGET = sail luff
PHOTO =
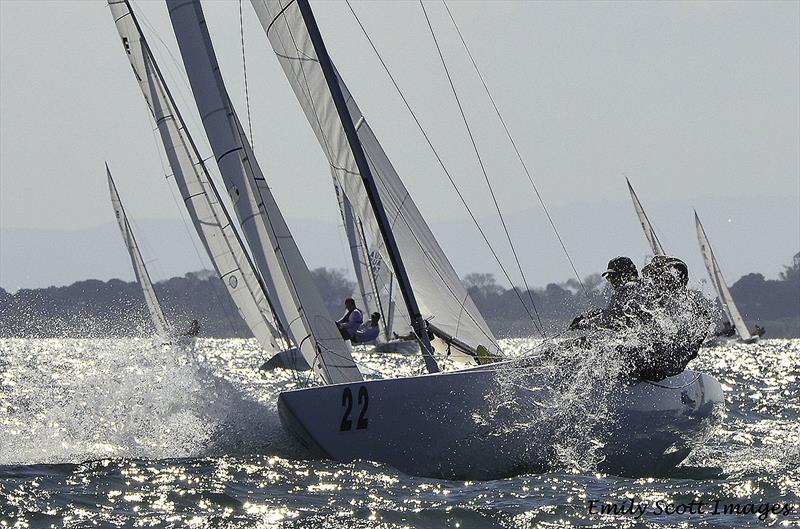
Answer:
(718, 280)
(274, 249)
(331, 78)
(139, 268)
(649, 231)
(201, 199)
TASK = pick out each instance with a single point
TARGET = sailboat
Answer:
(429, 424)
(260, 288)
(720, 286)
(647, 226)
(163, 329)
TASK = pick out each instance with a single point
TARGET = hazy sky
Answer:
(690, 100)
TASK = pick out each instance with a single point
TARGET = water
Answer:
(124, 433)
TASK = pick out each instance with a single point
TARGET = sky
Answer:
(698, 103)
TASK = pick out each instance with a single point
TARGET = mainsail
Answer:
(441, 297)
(649, 232)
(200, 196)
(139, 269)
(289, 282)
(715, 273)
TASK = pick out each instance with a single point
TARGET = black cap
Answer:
(622, 266)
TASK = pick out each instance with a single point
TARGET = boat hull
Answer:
(435, 425)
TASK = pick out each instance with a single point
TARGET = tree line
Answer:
(116, 308)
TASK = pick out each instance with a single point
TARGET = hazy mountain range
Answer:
(761, 235)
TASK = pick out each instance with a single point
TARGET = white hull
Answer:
(426, 425)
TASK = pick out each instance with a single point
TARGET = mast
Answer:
(418, 323)
(647, 226)
(139, 268)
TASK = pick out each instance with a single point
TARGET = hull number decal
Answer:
(347, 403)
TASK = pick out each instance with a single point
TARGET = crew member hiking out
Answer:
(349, 323)
(624, 279)
(368, 331)
(680, 320)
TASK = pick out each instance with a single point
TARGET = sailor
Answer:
(679, 320)
(194, 329)
(368, 331)
(624, 279)
(349, 323)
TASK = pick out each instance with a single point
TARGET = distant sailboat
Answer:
(139, 268)
(720, 286)
(375, 282)
(649, 231)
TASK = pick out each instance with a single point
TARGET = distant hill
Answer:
(116, 308)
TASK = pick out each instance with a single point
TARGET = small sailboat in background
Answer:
(163, 329)
(721, 287)
(375, 282)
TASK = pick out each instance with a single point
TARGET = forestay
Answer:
(715, 273)
(649, 232)
(440, 294)
(200, 196)
(139, 269)
(289, 282)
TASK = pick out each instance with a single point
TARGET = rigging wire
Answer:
(481, 164)
(441, 162)
(244, 69)
(516, 150)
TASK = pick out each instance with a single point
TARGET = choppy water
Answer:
(124, 433)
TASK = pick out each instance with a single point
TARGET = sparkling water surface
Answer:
(129, 433)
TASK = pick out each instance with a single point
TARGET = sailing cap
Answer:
(622, 266)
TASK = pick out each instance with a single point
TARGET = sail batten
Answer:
(139, 268)
(718, 281)
(200, 196)
(437, 289)
(275, 252)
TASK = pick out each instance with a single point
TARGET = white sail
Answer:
(200, 196)
(288, 279)
(440, 294)
(649, 232)
(715, 273)
(139, 269)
